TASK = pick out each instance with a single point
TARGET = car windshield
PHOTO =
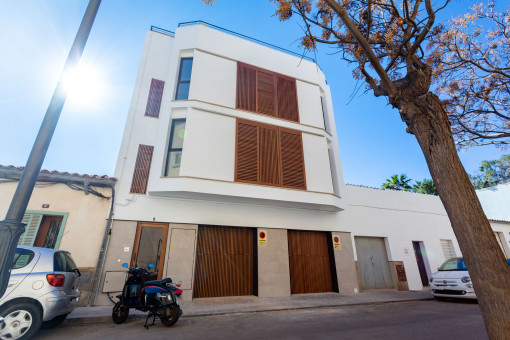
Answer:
(453, 264)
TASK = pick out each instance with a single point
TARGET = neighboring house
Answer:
(495, 201)
(66, 211)
(230, 181)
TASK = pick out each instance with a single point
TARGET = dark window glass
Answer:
(184, 79)
(62, 262)
(51, 237)
(22, 257)
(173, 162)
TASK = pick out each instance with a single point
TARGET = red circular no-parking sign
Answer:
(262, 235)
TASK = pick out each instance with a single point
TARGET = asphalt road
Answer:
(399, 320)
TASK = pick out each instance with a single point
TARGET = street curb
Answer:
(139, 315)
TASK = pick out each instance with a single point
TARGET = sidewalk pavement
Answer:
(250, 304)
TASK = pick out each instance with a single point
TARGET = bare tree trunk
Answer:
(489, 271)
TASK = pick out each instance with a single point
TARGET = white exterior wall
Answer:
(495, 201)
(401, 218)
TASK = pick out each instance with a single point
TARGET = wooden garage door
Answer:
(310, 266)
(224, 262)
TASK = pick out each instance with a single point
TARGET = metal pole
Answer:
(12, 227)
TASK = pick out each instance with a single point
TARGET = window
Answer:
(269, 155)
(155, 95)
(22, 257)
(332, 166)
(62, 262)
(142, 169)
(325, 114)
(266, 92)
(42, 230)
(448, 250)
(184, 79)
(173, 163)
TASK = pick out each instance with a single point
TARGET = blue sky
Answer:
(36, 36)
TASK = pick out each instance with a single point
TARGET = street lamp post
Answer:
(12, 227)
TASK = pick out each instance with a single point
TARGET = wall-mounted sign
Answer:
(336, 242)
(262, 238)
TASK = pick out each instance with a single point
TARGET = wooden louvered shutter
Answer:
(154, 101)
(246, 88)
(33, 222)
(246, 152)
(266, 93)
(287, 98)
(269, 165)
(292, 160)
(142, 168)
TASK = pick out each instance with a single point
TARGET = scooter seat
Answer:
(158, 282)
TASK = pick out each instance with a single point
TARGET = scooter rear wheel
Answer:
(172, 319)
(119, 313)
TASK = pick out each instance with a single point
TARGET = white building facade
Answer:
(230, 180)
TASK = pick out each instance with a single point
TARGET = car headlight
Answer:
(466, 279)
(431, 280)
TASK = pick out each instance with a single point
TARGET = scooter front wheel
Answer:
(120, 313)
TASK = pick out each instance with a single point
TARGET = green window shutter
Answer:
(33, 222)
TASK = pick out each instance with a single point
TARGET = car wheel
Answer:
(54, 322)
(21, 321)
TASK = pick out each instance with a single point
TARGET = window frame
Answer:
(170, 149)
(179, 81)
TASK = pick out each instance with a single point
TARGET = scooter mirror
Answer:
(125, 265)
(151, 266)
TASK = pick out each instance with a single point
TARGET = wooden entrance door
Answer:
(225, 262)
(419, 253)
(374, 268)
(309, 262)
(149, 247)
(48, 231)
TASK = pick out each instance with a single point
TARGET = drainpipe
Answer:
(102, 253)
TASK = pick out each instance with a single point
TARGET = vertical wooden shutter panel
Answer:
(269, 166)
(247, 153)
(246, 88)
(142, 169)
(287, 99)
(293, 169)
(33, 222)
(155, 95)
(266, 93)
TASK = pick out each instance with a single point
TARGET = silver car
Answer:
(42, 290)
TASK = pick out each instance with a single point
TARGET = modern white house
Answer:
(230, 180)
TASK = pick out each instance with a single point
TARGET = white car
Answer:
(452, 280)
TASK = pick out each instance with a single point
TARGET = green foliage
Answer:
(492, 172)
(403, 183)
(426, 186)
(397, 182)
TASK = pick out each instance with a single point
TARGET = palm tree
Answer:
(426, 186)
(397, 182)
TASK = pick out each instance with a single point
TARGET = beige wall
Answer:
(273, 264)
(345, 266)
(86, 222)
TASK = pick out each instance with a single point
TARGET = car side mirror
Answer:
(125, 265)
(151, 266)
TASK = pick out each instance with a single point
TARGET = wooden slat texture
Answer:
(293, 167)
(266, 93)
(224, 262)
(142, 169)
(246, 88)
(155, 95)
(310, 269)
(247, 153)
(269, 167)
(287, 99)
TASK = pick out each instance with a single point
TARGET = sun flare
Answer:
(84, 85)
